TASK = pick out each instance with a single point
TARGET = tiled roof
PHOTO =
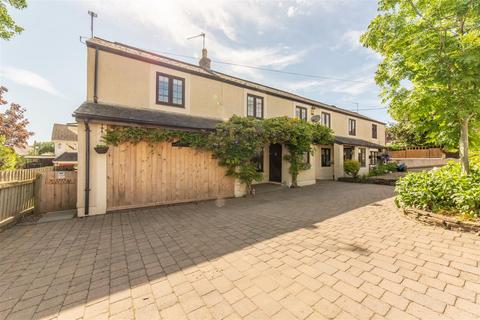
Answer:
(356, 142)
(64, 132)
(122, 114)
(66, 157)
(136, 53)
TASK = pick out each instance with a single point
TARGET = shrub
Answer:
(382, 168)
(392, 166)
(351, 167)
(442, 190)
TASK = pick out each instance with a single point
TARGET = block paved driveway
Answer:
(334, 250)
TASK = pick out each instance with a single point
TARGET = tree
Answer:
(13, 125)
(430, 73)
(8, 27)
(40, 148)
(8, 158)
(407, 134)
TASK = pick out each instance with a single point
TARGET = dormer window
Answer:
(170, 90)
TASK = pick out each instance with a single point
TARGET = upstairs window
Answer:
(352, 127)
(301, 113)
(254, 106)
(374, 131)
(170, 90)
(326, 119)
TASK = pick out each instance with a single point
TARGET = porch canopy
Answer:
(143, 116)
(356, 142)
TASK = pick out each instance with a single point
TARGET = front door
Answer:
(275, 162)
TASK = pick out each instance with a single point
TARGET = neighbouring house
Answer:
(64, 137)
(127, 86)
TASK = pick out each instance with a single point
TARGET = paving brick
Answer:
(253, 258)
(395, 300)
(424, 300)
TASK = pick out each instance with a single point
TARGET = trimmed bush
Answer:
(442, 190)
(351, 167)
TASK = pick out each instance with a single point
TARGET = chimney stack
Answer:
(204, 61)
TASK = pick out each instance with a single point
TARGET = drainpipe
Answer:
(87, 167)
(333, 161)
(95, 76)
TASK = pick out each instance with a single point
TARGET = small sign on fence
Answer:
(59, 177)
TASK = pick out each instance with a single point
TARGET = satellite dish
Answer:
(315, 118)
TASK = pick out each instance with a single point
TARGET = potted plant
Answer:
(101, 148)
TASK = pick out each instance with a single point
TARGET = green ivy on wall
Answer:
(236, 141)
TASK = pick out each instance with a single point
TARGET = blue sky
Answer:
(44, 67)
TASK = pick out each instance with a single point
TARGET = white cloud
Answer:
(29, 79)
(291, 11)
(352, 39)
(362, 82)
(221, 20)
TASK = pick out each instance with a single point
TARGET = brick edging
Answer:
(446, 222)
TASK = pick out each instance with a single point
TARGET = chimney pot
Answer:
(205, 62)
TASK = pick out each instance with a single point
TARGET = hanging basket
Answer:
(101, 149)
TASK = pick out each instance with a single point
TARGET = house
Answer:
(64, 137)
(127, 86)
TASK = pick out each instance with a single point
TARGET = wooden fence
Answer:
(22, 174)
(39, 189)
(16, 199)
(56, 190)
(418, 153)
(142, 175)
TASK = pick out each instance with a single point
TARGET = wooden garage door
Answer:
(142, 175)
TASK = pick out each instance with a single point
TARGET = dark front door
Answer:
(275, 171)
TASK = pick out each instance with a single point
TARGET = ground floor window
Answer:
(326, 157)
(306, 157)
(257, 161)
(362, 156)
(347, 154)
(373, 157)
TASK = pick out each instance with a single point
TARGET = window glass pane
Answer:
(326, 119)
(348, 154)
(326, 157)
(177, 95)
(259, 108)
(250, 106)
(374, 131)
(351, 126)
(301, 113)
(258, 161)
(362, 155)
(162, 89)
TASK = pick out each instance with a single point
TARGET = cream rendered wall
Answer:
(338, 161)
(129, 82)
(62, 146)
(98, 173)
